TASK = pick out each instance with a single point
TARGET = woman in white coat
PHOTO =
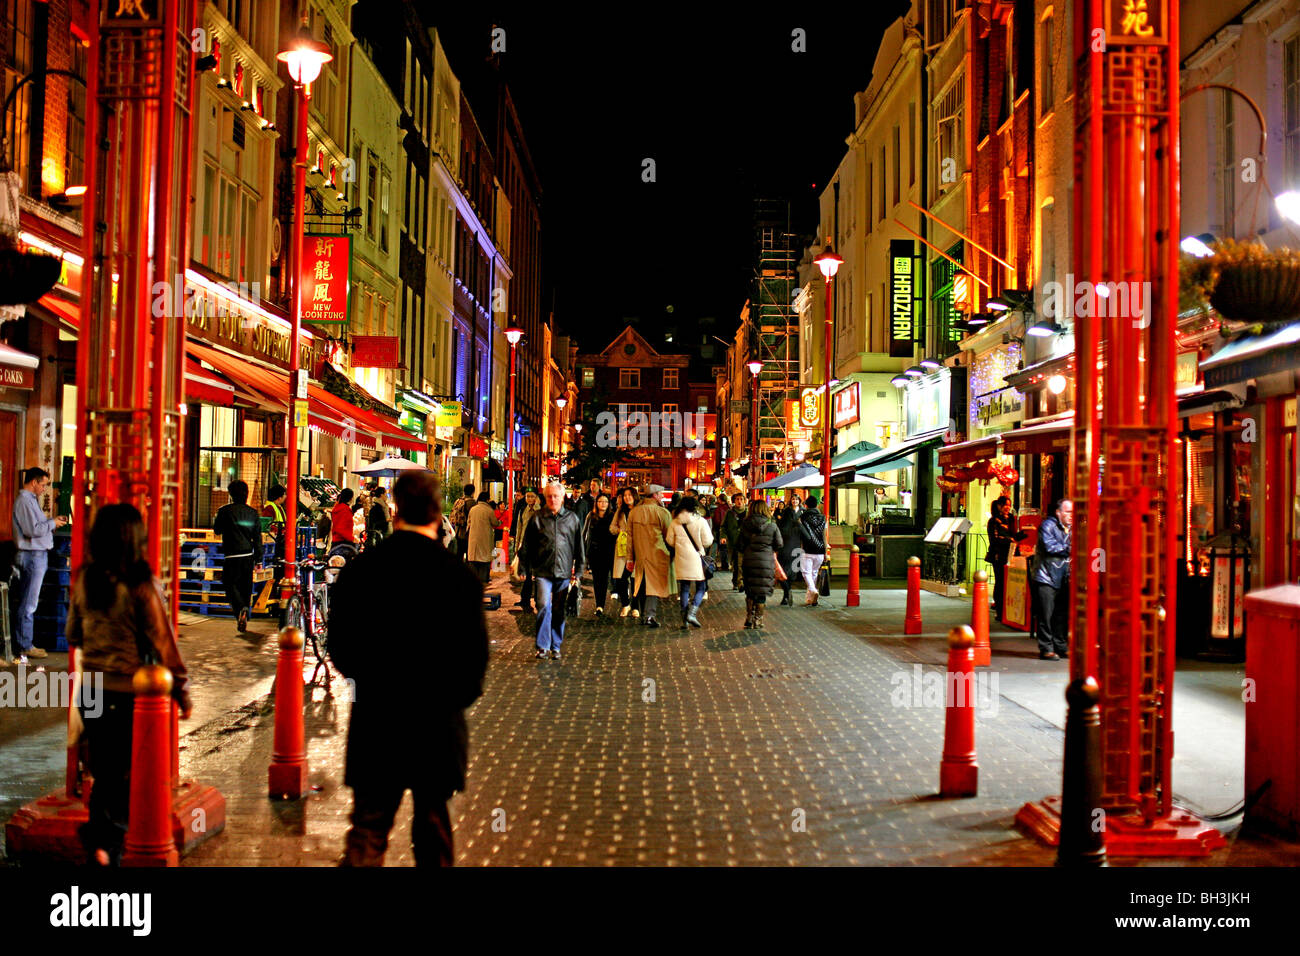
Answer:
(691, 537)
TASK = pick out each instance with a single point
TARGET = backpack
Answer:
(460, 518)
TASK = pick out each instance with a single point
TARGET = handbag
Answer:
(824, 580)
(573, 603)
(705, 561)
(780, 571)
(620, 546)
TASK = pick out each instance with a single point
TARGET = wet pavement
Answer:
(802, 743)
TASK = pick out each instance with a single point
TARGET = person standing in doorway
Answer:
(34, 536)
(1050, 573)
(240, 528)
(1002, 536)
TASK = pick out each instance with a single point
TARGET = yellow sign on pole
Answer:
(299, 412)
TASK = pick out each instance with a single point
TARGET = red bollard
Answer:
(958, 771)
(852, 599)
(288, 773)
(149, 840)
(979, 620)
(912, 622)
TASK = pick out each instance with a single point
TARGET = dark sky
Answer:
(720, 101)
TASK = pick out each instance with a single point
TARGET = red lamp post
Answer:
(755, 369)
(829, 263)
(513, 335)
(304, 58)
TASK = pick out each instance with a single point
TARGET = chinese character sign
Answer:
(902, 293)
(324, 278)
(1135, 21)
(810, 408)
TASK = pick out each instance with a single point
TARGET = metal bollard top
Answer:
(291, 639)
(961, 636)
(981, 577)
(913, 562)
(854, 549)
(152, 680)
(1083, 692)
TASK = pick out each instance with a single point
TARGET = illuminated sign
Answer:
(375, 351)
(1135, 21)
(448, 415)
(326, 261)
(902, 301)
(810, 408)
(846, 406)
(794, 431)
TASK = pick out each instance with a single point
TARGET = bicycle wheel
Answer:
(320, 617)
(293, 613)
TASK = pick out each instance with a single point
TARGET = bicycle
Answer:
(308, 609)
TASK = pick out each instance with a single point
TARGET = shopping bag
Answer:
(780, 571)
(824, 580)
(573, 604)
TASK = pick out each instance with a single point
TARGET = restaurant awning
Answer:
(204, 386)
(966, 452)
(1253, 357)
(791, 478)
(1043, 439)
(17, 369)
(1211, 400)
(889, 459)
(854, 452)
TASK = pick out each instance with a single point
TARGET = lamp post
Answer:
(304, 59)
(513, 335)
(829, 263)
(755, 369)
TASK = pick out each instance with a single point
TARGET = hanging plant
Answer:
(1252, 283)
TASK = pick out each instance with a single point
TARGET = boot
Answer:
(758, 616)
(749, 612)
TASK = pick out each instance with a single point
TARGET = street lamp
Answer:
(513, 335)
(304, 59)
(755, 367)
(829, 263)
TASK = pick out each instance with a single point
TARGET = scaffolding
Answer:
(776, 326)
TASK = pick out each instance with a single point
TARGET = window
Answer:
(880, 214)
(897, 177)
(74, 168)
(670, 378)
(670, 409)
(385, 182)
(1225, 166)
(949, 147)
(372, 195)
(588, 378)
(629, 378)
(1291, 119)
(870, 194)
(911, 144)
(1046, 75)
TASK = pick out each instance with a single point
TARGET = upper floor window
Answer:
(670, 378)
(1291, 119)
(629, 378)
(588, 377)
(1046, 74)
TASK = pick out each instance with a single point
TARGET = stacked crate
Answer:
(51, 621)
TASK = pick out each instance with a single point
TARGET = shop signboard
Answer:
(1135, 21)
(1015, 596)
(794, 431)
(375, 351)
(810, 408)
(846, 404)
(927, 403)
(1006, 406)
(477, 446)
(448, 415)
(326, 265)
(1228, 591)
(902, 297)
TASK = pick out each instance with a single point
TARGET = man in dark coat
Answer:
(718, 516)
(791, 542)
(1002, 535)
(731, 536)
(552, 550)
(240, 528)
(410, 586)
(1050, 573)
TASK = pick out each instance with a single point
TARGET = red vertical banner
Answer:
(326, 265)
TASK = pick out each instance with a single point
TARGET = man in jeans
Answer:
(240, 528)
(34, 535)
(553, 551)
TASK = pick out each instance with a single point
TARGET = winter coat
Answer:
(731, 527)
(719, 515)
(812, 527)
(411, 586)
(687, 565)
(1002, 534)
(482, 541)
(760, 541)
(1051, 563)
(553, 545)
(598, 542)
(647, 550)
(791, 539)
(621, 522)
(583, 506)
(522, 520)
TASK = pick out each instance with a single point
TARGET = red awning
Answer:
(388, 430)
(966, 452)
(1042, 439)
(204, 386)
(68, 312)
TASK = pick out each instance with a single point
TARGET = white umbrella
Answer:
(388, 467)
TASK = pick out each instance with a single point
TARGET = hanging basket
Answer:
(26, 276)
(1255, 284)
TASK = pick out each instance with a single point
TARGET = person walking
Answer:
(1050, 572)
(791, 542)
(583, 504)
(531, 506)
(481, 541)
(647, 555)
(621, 530)
(342, 524)
(1002, 536)
(240, 528)
(377, 524)
(760, 544)
(118, 621)
(812, 528)
(689, 537)
(599, 545)
(553, 552)
(717, 518)
(731, 536)
(34, 536)
(412, 586)
(460, 521)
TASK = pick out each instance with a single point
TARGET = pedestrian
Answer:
(760, 544)
(1050, 573)
(515, 509)
(1002, 536)
(481, 541)
(812, 527)
(731, 536)
(791, 546)
(620, 528)
(648, 556)
(526, 514)
(118, 621)
(553, 552)
(407, 729)
(717, 518)
(342, 523)
(274, 509)
(502, 514)
(584, 503)
(240, 528)
(377, 525)
(34, 536)
(689, 538)
(599, 545)
(460, 521)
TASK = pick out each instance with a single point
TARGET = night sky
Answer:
(721, 103)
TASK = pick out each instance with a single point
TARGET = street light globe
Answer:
(754, 367)
(561, 402)
(305, 57)
(1056, 384)
(577, 427)
(1288, 204)
(828, 262)
(513, 335)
